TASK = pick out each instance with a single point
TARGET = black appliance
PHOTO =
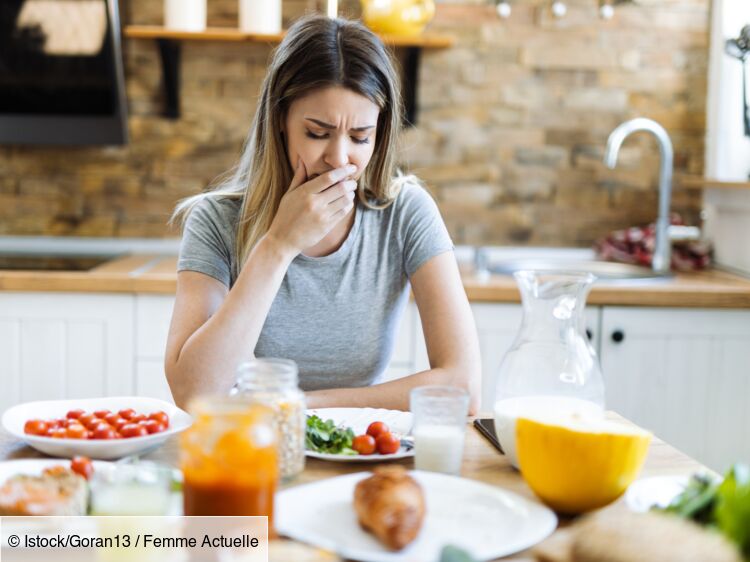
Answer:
(61, 73)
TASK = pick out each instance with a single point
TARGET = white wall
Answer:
(727, 220)
(727, 147)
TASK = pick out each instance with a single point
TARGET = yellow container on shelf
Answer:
(405, 18)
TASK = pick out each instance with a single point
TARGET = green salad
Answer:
(720, 504)
(326, 437)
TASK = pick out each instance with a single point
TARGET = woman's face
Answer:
(330, 128)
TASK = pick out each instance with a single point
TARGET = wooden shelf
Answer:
(427, 41)
(698, 182)
(169, 42)
(210, 34)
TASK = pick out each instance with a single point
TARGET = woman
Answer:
(307, 251)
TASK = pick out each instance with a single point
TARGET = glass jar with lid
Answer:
(229, 458)
(274, 382)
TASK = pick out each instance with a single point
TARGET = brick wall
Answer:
(512, 124)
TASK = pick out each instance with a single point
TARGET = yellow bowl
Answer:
(398, 17)
(577, 465)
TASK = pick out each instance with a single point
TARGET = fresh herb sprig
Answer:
(326, 437)
(723, 505)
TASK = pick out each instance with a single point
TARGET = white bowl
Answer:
(14, 419)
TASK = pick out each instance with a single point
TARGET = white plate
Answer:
(35, 467)
(655, 491)
(51, 525)
(14, 419)
(358, 419)
(486, 521)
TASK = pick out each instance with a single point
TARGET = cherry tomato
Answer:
(101, 413)
(59, 433)
(111, 418)
(376, 428)
(94, 423)
(35, 427)
(85, 419)
(76, 431)
(364, 444)
(74, 414)
(104, 431)
(127, 413)
(153, 426)
(53, 424)
(119, 424)
(133, 430)
(161, 417)
(138, 418)
(82, 466)
(387, 443)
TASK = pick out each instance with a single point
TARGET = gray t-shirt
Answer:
(336, 315)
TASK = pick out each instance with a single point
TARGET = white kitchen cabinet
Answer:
(684, 374)
(497, 326)
(150, 379)
(153, 316)
(65, 345)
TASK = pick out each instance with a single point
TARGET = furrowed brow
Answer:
(329, 126)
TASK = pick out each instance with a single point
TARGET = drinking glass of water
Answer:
(440, 414)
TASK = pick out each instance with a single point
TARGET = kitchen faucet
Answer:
(662, 253)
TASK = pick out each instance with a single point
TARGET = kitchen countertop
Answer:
(148, 273)
(481, 462)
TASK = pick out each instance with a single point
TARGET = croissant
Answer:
(390, 504)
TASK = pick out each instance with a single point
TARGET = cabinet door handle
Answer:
(589, 334)
(618, 336)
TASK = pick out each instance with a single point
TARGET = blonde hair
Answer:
(317, 52)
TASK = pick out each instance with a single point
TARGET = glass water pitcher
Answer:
(551, 368)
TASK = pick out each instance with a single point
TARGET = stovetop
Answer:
(39, 262)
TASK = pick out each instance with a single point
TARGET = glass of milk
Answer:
(440, 414)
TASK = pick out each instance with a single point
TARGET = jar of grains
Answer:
(273, 382)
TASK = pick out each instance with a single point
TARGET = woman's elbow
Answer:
(469, 378)
(179, 395)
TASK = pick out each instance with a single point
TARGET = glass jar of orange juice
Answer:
(229, 458)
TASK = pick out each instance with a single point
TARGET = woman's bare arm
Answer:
(214, 329)
(450, 335)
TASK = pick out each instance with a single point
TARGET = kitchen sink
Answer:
(602, 269)
(502, 261)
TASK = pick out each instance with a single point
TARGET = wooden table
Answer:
(481, 462)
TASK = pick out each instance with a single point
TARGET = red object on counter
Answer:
(635, 245)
